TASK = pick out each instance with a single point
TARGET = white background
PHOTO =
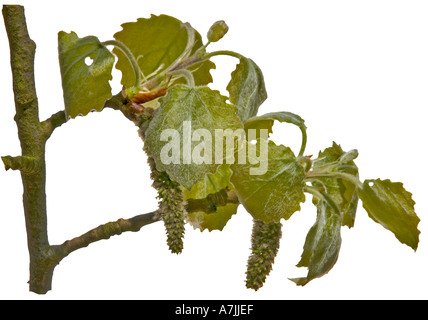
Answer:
(356, 71)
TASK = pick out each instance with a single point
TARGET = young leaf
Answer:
(85, 84)
(344, 193)
(190, 117)
(349, 205)
(247, 88)
(322, 245)
(210, 185)
(275, 194)
(389, 204)
(156, 43)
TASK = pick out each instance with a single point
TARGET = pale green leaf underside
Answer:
(182, 108)
(277, 193)
(247, 88)
(322, 244)
(211, 184)
(156, 43)
(86, 87)
(389, 204)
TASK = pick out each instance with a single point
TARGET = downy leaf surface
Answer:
(322, 244)
(202, 108)
(85, 87)
(275, 194)
(247, 88)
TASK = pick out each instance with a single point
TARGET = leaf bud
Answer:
(217, 31)
(349, 156)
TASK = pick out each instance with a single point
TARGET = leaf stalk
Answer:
(136, 68)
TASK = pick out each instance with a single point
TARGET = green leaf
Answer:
(201, 71)
(266, 121)
(86, 87)
(389, 204)
(343, 192)
(247, 88)
(272, 195)
(329, 155)
(184, 114)
(156, 43)
(209, 185)
(349, 205)
(322, 244)
(212, 221)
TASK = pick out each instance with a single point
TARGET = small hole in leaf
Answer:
(371, 184)
(253, 142)
(89, 61)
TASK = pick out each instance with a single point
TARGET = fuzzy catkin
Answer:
(171, 207)
(265, 240)
(171, 200)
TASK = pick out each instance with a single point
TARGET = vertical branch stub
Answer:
(32, 138)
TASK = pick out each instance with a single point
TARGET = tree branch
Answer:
(55, 121)
(107, 230)
(116, 102)
(103, 232)
(22, 50)
(32, 138)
